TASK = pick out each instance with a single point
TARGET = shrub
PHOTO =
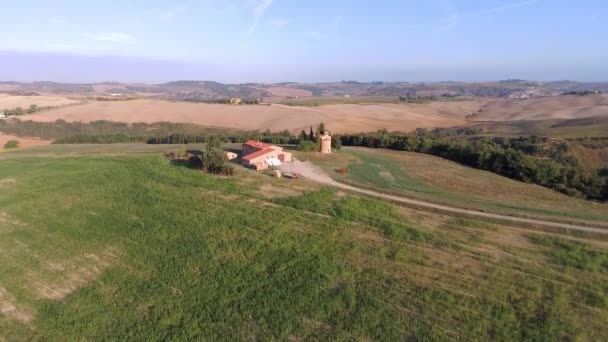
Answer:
(11, 144)
(308, 146)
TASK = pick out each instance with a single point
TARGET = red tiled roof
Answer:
(258, 153)
(257, 144)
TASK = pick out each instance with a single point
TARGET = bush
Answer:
(308, 146)
(11, 144)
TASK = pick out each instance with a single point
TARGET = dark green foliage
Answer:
(321, 129)
(214, 158)
(417, 99)
(336, 142)
(11, 144)
(267, 137)
(523, 158)
(311, 135)
(308, 146)
(100, 139)
(573, 253)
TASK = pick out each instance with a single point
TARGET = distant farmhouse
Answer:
(259, 156)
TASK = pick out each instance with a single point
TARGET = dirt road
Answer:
(313, 172)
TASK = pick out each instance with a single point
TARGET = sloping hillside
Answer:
(556, 107)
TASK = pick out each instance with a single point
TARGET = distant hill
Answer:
(202, 90)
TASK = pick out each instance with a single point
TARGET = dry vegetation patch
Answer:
(69, 275)
(9, 308)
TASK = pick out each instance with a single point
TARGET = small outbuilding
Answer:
(230, 155)
(326, 143)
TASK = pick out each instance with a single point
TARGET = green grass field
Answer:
(438, 180)
(129, 246)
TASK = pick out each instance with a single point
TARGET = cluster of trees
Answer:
(213, 160)
(20, 111)
(417, 99)
(583, 92)
(526, 159)
(101, 139)
(311, 136)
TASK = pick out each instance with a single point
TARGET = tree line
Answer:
(528, 159)
(20, 111)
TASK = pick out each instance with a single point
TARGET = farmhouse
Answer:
(259, 155)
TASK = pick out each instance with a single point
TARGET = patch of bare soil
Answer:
(7, 182)
(74, 274)
(13, 101)
(10, 309)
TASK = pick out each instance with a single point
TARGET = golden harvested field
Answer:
(12, 102)
(556, 107)
(286, 91)
(23, 142)
(339, 118)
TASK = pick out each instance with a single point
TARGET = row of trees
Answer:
(283, 138)
(20, 111)
(311, 136)
(524, 159)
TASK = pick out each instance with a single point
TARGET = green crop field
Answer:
(438, 180)
(127, 246)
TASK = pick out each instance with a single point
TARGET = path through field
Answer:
(313, 172)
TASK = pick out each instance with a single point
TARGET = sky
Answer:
(239, 41)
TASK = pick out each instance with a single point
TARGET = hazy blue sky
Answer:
(303, 40)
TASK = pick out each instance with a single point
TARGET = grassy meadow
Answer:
(129, 246)
(438, 180)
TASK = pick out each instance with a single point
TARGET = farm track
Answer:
(313, 172)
